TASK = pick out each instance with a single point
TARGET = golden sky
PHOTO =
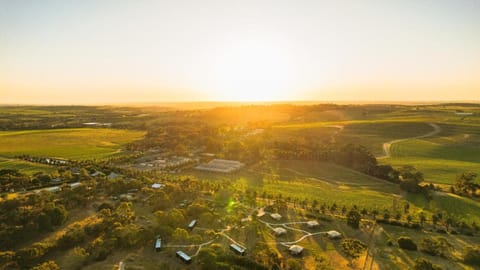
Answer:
(83, 52)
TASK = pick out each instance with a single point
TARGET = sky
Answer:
(116, 51)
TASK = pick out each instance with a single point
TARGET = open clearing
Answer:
(79, 144)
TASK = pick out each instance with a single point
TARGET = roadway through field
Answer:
(388, 145)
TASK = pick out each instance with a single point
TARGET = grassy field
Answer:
(24, 166)
(80, 144)
(441, 158)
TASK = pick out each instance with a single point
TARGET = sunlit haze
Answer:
(84, 52)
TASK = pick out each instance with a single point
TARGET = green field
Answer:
(24, 166)
(79, 144)
(456, 149)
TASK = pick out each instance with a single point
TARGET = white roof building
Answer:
(295, 249)
(157, 186)
(276, 216)
(279, 231)
(312, 223)
(333, 234)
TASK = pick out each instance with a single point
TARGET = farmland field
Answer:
(80, 144)
(24, 166)
(456, 149)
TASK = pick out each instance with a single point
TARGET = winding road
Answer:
(388, 145)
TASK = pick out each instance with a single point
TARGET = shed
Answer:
(312, 223)
(295, 249)
(192, 224)
(261, 212)
(279, 231)
(184, 257)
(238, 249)
(334, 234)
(158, 244)
(276, 216)
(157, 186)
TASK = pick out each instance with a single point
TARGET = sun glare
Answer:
(253, 71)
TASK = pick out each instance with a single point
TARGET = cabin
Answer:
(157, 186)
(192, 224)
(75, 185)
(237, 249)
(295, 249)
(312, 223)
(334, 234)
(276, 216)
(184, 257)
(158, 244)
(279, 231)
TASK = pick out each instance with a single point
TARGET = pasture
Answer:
(78, 144)
(456, 149)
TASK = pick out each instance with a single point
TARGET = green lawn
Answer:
(80, 144)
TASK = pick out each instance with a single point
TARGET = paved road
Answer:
(388, 145)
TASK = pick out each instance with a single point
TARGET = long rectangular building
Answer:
(221, 165)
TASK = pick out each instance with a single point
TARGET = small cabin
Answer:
(334, 235)
(312, 223)
(184, 257)
(158, 244)
(237, 249)
(276, 216)
(296, 249)
(279, 231)
(192, 224)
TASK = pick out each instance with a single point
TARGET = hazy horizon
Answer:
(117, 52)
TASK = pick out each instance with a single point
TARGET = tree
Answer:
(293, 264)
(437, 246)
(353, 218)
(465, 183)
(411, 178)
(180, 235)
(50, 265)
(353, 248)
(472, 255)
(406, 243)
(423, 264)
(423, 218)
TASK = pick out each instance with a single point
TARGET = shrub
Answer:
(406, 243)
(437, 246)
(422, 264)
(472, 255)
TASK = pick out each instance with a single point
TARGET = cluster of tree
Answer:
(214, 257)
(352, 156)
(424, 264)
(109, 229)
(465, 184)
(22, 217)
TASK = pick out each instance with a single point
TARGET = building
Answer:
(334, 234)
(158, 244)
(75, 185)
(237, 249)
(261, 212)
(295, 249)
(192, 224)
(157, 186)
(220, 165)
(276, 216)
(312, 224)
(184, 257)
(279, 231)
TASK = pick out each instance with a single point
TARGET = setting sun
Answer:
(253, 70)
